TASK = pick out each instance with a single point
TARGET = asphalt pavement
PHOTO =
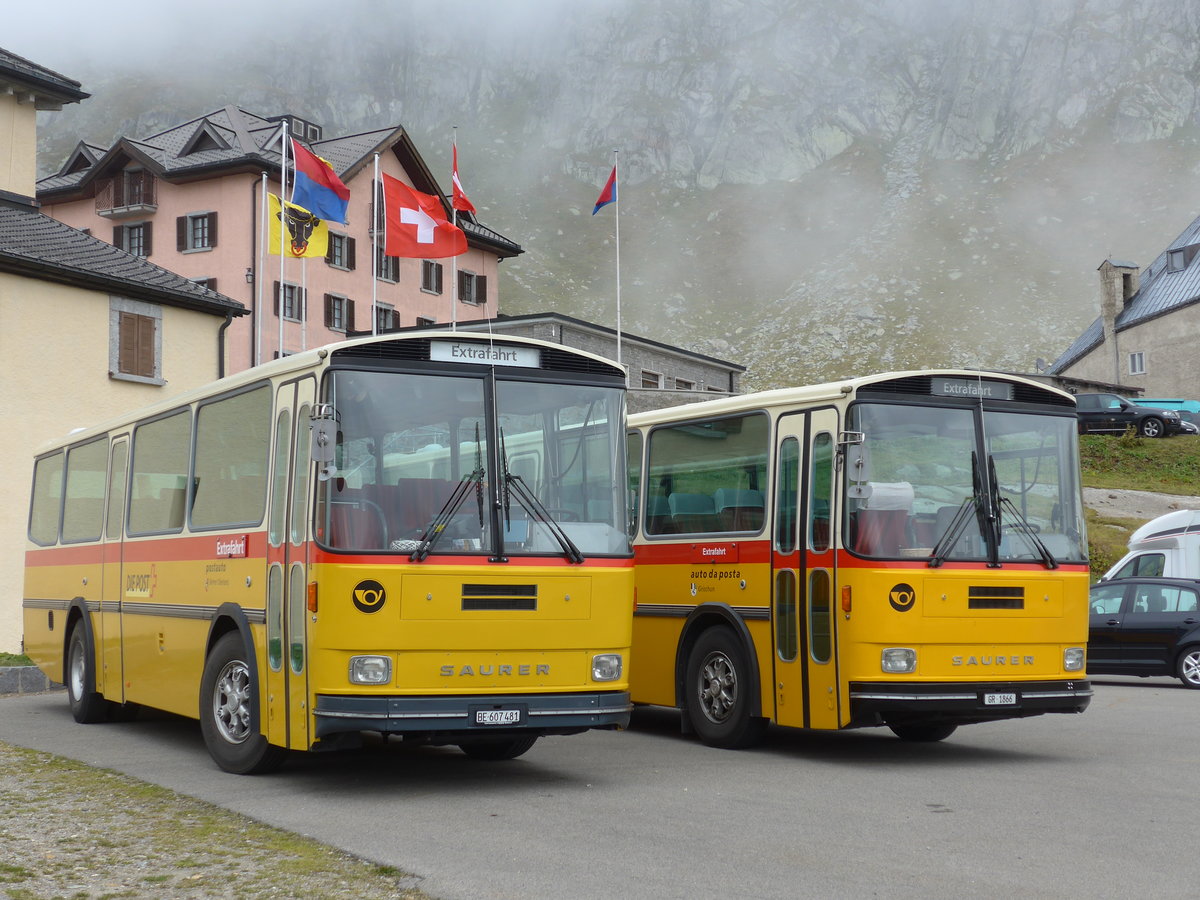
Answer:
(1094, 805)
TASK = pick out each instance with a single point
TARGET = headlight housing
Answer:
(606, 667)
(1073, 659)
(370, 669)
(898, 660)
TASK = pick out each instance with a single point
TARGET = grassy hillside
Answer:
(1131, 463)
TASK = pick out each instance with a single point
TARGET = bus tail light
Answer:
(370, 670)
(899, 660)
(1073, 659)
(312, 596)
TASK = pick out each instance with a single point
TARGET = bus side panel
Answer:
(168, 608)
(53, 578)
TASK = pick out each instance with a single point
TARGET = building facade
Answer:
(191, 199)
(659, 375)
(1144, 341)
(86, 330)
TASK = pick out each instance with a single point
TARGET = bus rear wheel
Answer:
(922, 732)
(498, 748)
(87, 705)
(228, 696)
(718, 686)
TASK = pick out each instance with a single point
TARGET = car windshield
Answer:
(428, 463)
(957, 483)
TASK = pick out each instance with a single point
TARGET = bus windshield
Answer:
(961, 483)
(429, 464)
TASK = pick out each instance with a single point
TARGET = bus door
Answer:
(804, 573)
(286, 709)
(110, 680)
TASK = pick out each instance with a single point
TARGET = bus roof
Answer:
(296, 362)
(809, 394)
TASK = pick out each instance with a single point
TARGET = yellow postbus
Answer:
(423, 534)
(904, 550)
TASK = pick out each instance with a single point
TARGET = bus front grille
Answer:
(995, 597)
(477, 597)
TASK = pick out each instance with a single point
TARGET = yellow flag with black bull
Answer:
(306, 234)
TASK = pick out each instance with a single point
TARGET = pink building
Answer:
(190, 200)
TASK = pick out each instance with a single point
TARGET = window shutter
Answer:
(329, 251)
(181, 224)
(350, 253)
(276, 289)
(303, 304)
(118, 235)
(464, 286)
(147, 246)
(481, 289)
(437, 277)
(212, 229)
(349, 315)
(127, 351)
(329, 310)
(145, 346)
(211, 284)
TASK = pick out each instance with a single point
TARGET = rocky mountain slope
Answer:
(812, 188)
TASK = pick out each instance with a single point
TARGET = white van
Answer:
(1166, 547)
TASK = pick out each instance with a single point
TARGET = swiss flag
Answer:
(417, 225)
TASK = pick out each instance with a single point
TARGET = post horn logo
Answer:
(369, 596)
(902, 597)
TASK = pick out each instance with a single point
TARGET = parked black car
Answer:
(1113, 414)
(1145, 626)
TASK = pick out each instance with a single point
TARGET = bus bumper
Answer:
(964, 702)
(451, 719)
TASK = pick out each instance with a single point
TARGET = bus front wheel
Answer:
(87, 705)
(228, 693)
(718, 686)
(497, 749)
(922, 732)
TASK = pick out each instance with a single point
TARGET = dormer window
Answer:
(1175, 261)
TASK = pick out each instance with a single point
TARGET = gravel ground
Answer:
(1135, 504)
(71, 831)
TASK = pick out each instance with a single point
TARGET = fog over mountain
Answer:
(811, 188)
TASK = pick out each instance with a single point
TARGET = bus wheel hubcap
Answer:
(718, 687)
(231, 702)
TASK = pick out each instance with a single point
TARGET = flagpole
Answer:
(283, 139)
(617, 182)
(264, 238)
(375, 211)
(454, 259)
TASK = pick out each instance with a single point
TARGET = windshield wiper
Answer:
(950, 537)
(531, 503)
(436, 528)
(1022, 524)
(981, 502)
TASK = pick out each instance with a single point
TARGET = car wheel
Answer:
(87, 705)
(497, 748)
(1188, 667)
(1152, 427)
(228, 695)
(718, 686)
(922, 732)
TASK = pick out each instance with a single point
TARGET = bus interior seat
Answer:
(739, 509)
(357, 524)
(658, 515)
(881, 528)
(692, 512)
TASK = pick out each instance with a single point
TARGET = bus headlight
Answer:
(370, 670)
(899, 660)
(1073, 659)
(606, 667)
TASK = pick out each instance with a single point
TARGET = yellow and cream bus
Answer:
(423, 534)
(904, 550)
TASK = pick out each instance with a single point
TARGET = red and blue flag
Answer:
(317, 187)
(609, 194)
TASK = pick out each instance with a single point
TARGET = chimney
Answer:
(1118, 285)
